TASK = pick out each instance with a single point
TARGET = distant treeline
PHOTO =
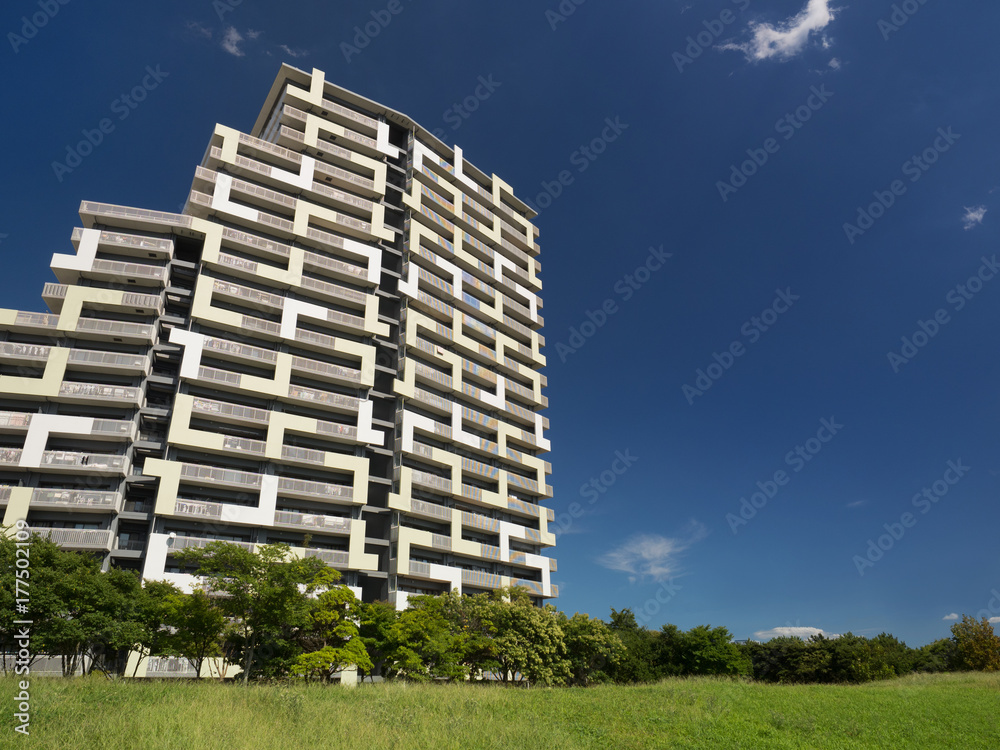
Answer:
(280, 617)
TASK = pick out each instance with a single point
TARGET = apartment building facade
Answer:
(336, 345)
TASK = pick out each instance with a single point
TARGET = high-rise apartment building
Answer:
(336, 345)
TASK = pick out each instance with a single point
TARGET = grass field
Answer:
(921, 711)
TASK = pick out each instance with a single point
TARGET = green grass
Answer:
(920, 711)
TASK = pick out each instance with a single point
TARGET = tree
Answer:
(377, 625)
(529, 643)
(592, 649)
(264, 593)
(424, 645)
(705, 650)
(331, 639)
(938, 656)
(154, 614)
(638, 661)
(197, 623)
(977, 647)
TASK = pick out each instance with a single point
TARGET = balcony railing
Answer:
(424, 479)
(235, 411)
(36, 320)
(76, 499)
(108, 360)
(14, 420)
(129, 240)
(97, 392)
(136, 214)
(213, 475)
(198, 509)
(99, 462)
(115, 328)
(312, 395)
(303, 455)
(324, 491)
(312, 521)
(10, 456)
(77, 538)
(29, 352)
(129, 270)
(330, 556)
(430, 509)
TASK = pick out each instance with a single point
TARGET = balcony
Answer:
(294, 520)
(342, 432)
(30, 322)
(138, 333)
(76, 500)
(78, 539)
(481, 580)
(133, 218)
(325, 371)
(10, 456)
(113, 395)
(226, 412)
(431, 481)
(302, 456)
(336, 558)
(114, 271)
(244, 446)
(213, 476)
(324, 398)
(130, 244)
(123, 429)
(14, 421)
(301, 488)
(24, 352)
(197, 509)
(430, 510)
(85, 359)
(89, 463)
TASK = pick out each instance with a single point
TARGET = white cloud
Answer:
(835, 63)
(200, 30)
(231, 42)
(973, 217)
(856, 503)
(651, 555)
(251, 34)
(786, 40)
(796, 632)
(952, 616)
(291, 52)
(994, 620)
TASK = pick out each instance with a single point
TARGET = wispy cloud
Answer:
(786, 40)
(651, 555)
(197, 28)
(231, 42)
(952, 616)
(795, 631)
(856, 503)
(251, 34)
(291, 52)
(973, 217)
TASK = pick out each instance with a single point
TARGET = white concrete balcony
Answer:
(114, 272)
(325, 371)
(341, 432)
(131, 218)
(431, 481)
(244, 446)
(82, 501)
(300, 488)
(114, 429)
(338, 268)
(328, 524)
(77, 539)
(294, 455)
(84, 463)
(112, 395)
(481, 580)
(222, 411)
(430, 510)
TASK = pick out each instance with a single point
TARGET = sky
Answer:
(769, 240)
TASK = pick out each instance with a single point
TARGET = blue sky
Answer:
(714, 329)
